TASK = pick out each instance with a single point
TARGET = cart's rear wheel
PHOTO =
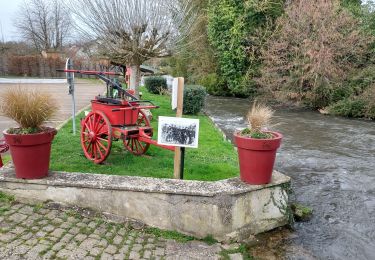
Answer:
(133, 144)
(96, 137)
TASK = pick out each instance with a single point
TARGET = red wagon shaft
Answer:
(116, 117)
(3, 149)
(91, 72)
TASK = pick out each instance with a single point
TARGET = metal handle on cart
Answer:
(133, 108)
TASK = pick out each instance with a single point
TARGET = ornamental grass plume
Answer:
(29, 108)
(258, 118)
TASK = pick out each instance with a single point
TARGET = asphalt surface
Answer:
(85, 90)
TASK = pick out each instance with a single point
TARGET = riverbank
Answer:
(330, 161)
(214, 159)
(361, 108)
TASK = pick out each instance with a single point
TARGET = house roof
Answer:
(149, 69)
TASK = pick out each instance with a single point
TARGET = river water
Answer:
(331, 162)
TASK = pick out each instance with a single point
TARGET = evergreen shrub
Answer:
(194, 99)
(156, 84)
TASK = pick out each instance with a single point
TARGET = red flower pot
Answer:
(31, 153)
(257, 157)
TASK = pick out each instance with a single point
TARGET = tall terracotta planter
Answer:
(31, 153)
(257, 157)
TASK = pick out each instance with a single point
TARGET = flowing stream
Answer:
(331, 161)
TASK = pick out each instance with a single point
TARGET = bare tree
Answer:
(315, 47)
(46, 24)
(130, 32)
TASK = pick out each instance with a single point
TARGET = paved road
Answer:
(31, 81)
(85, 91)
(51, 232)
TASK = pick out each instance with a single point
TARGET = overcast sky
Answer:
(8, 9)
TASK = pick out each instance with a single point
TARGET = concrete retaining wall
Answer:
(227, 209)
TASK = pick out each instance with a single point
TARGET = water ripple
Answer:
(332, 164)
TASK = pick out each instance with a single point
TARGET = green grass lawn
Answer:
(5, 158)
(214, 159)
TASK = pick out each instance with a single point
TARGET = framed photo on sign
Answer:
(175, 131)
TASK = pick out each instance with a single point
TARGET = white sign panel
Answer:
(174, 93)
(176, 131)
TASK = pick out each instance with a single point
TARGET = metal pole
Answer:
(74, 111)
(70, 80)
(182, 163)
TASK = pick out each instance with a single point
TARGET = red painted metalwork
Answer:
(4, 147)
(91, 72)
(96, 136)
(119, 119)
(133, 142)
(113, 117)
(154, 142)
(123, 120)
(116, 114)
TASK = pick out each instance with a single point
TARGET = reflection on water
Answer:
(332, 165)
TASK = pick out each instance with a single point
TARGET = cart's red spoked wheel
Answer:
(133, 144)
(96, 137)
(3, 146)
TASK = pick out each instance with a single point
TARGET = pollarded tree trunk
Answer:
(134, 31)
(135, 78)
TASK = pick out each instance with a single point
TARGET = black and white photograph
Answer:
(178, 131)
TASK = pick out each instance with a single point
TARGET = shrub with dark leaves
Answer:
(194, 99)
(156, 85)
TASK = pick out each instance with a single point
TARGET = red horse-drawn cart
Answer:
(117, 116)
(109, 121)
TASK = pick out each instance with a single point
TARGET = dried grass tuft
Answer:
(29, 108)
(164, 92)
(259, 117)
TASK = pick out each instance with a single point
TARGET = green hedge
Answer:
(194, 98)
(155, 84)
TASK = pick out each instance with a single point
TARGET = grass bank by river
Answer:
(214, 159)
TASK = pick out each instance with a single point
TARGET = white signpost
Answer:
(70, 80)
(177, 131)
(174, 93)
(180, 132)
